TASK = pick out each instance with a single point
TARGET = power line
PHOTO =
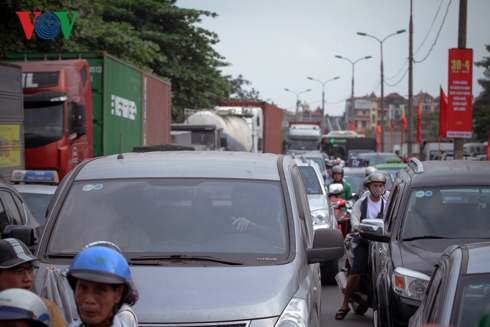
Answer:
(430, 28)
(437, 37)
(398, 80)
(406, 62)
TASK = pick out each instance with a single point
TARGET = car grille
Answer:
(223, 324)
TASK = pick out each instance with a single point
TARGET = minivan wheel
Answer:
(328, 271)
(359, 309)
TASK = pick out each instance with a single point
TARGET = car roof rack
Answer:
(416, 165)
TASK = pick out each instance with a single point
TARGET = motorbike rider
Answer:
(371, 205)
(362, 187)
(18, 270)
(338, 177)
(22, 308)
(101, 280)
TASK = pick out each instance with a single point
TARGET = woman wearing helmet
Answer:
(338, 177)
(22, 308)
(371, 205)
(125, 313)
(101, 281)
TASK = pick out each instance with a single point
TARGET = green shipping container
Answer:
(116, 99)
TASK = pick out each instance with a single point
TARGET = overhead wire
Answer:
(430, 28)
(437, 36)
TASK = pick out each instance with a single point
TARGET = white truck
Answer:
(304, 136)
(235, 130)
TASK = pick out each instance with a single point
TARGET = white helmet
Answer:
(17, 303)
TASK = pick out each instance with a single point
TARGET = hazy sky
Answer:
(277, 44)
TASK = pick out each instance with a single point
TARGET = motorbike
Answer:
(342, 216)
(362, 298)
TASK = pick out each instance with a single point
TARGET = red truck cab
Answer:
(57, 114)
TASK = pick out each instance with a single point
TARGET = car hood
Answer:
(209, 294)
(422, 255)
(317, 201)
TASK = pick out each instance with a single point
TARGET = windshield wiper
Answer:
(62, 255)
(425, 237)
(182, 257)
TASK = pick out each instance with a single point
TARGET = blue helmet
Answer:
(99, 264)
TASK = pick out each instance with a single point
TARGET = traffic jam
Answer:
(122, 207)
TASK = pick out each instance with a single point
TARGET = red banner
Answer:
(378, 143)
(392, 127)
(459, 105)
(442, 114)
(419, 124)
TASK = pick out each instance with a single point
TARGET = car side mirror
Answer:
(224, 142)
(23, 234)
(335, 189)
(328, 245)
(80, 118)
(373, 229)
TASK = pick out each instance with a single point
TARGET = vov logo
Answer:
(47, 25)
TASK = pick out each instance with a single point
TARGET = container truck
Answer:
(208, 137)
(102, 106)
(304, 136)
(11, 120)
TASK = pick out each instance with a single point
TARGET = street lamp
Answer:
(323, 96)
(382, 78)
(347, 114)
(297, 98)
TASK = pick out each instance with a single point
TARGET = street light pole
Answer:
(348, 114)
(297, 98)
(323, 96)
(382, 79)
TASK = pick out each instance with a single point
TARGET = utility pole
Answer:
(463, 6)
(410, 85)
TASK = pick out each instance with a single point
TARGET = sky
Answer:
(277, 44)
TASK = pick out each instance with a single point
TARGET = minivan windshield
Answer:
(230, 219)
(451, 212)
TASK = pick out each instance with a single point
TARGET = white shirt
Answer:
(373, 208)
(116, 322)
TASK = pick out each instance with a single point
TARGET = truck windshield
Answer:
(229, 219)
(303, 144)
(43, 123)
(203, 138)
(335, 150)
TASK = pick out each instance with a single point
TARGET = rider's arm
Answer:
(355, 216)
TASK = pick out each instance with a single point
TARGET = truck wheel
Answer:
(328, 272)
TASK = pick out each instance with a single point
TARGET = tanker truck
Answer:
(216, 125)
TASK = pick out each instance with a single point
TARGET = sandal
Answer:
(341, 314)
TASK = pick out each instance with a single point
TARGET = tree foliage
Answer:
(155, 35)
(481, 106)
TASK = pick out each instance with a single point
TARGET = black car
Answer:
(432, 205)
(14, 213)
(459, 289)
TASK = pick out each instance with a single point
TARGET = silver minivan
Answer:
(212, 238)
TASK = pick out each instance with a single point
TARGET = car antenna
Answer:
(120, 155)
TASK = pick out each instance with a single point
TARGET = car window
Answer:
(303, 207)
(391, 208)
(433, 301)
(4, 218)
(13, 208)
(310, 180)
(355, 180)
(436, 211)
(320, 163)
(224, 218)
(37, 204)
(472, 298)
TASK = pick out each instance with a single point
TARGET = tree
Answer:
(154, 35)
(481, 106)
(239, 93)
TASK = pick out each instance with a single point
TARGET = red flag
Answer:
(404, 125)
(419, 124)
(378, 143)
(488, 148)
(442, 114)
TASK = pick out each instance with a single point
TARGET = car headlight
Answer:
(320, 217)
(294, 315)
(409, 283)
